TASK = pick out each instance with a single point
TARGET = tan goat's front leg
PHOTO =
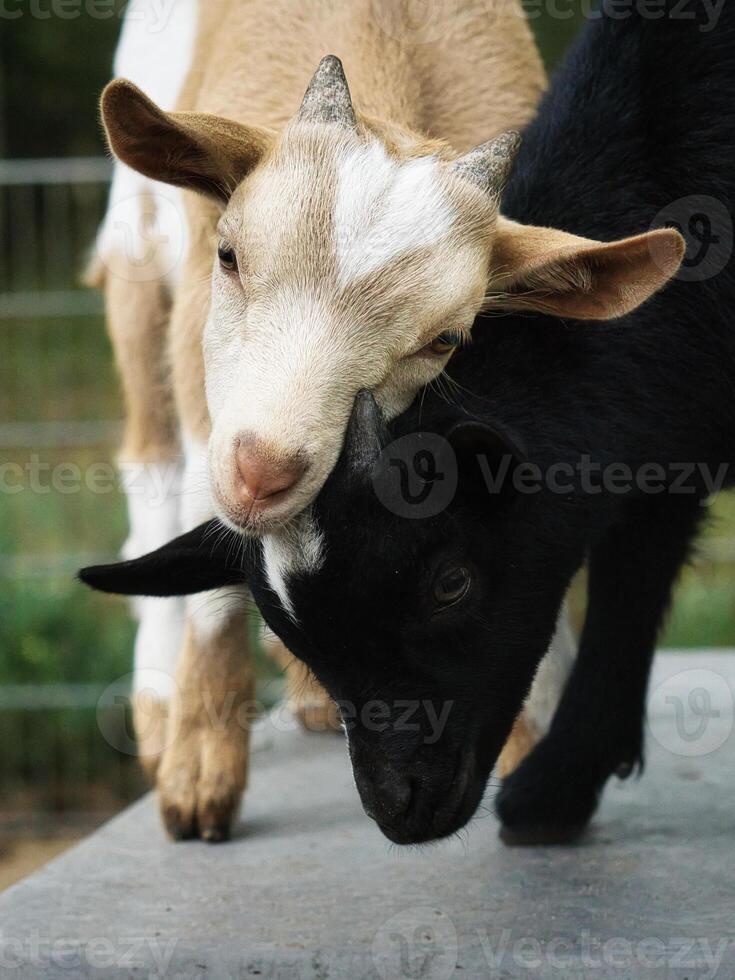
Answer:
(138, 309)
(203, 771)
(203, 767)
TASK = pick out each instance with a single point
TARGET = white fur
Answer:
(297, 549)
(285, 356)
(155, 51)
(153, 508)
(157, 645)
(196, 498)
(552, 675)
(385, 209)
(208, 612)
(293, 388)
(152, 491)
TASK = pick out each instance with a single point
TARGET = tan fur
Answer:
(203, 771)
(565, 275)
(270, 49)
(137, 320)
(311, 705)
(522, 739)
(253, 60)
(191, 305)
(150, 720)
(309, 702)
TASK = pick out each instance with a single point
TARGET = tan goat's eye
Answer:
(445, 343)
(227, 258)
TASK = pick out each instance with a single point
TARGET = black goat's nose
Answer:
(387, 798)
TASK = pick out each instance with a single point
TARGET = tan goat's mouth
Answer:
(257, 516)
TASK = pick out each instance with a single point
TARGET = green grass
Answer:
(703, 612)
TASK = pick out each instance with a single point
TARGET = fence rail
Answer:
(74, 170)
(49, 213)
(60, 435)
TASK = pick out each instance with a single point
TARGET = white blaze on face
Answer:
(385, 208)
(297, 549)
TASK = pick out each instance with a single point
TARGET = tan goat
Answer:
(422, 94)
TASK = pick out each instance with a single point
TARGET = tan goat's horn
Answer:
(327, 98)
(489, 164)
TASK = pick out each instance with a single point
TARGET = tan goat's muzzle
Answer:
(261, 480)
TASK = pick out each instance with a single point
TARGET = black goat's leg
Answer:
(598, 726)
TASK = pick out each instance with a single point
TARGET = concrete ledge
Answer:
(310, 889)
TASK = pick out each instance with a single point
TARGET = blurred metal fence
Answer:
(49, 214)
(55, 758)
(61, 762)
(50, 210)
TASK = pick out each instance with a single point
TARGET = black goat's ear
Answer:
(209, 557)
(487, 455)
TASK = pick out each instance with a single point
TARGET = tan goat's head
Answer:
(351, 256)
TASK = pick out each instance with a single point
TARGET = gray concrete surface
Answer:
(310, 889)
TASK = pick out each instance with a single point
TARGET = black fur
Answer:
(188, 564)
(641, 114)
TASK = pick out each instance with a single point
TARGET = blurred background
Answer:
(61, 771)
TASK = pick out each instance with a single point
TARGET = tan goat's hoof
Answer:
(201, 780)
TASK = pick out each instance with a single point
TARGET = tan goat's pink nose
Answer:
(263, 472)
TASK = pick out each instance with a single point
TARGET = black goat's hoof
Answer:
(541, 836)
(543, 802)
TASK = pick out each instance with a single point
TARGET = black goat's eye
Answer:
(451, 585)
(227, 258)
(446, 342)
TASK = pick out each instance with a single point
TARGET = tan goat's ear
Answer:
(201, 152)
(554, 272)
